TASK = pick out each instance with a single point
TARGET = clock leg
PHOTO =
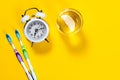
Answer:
(32, 44)
(46, 40)
(39, 17)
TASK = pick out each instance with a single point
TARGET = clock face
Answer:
(36, 30)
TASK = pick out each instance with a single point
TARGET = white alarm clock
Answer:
(36, 29)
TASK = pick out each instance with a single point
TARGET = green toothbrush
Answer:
(25, 55)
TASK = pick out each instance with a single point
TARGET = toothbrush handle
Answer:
(28, 61)
(23, 65)
(31, 69)
(25, 53)
(26, 71)
(19, 57)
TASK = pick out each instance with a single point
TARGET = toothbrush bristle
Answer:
(17, 34)
(8, 38)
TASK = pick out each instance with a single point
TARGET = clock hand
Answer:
(34, 34)
(36, 31)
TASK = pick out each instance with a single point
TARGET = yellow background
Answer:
(92, 54)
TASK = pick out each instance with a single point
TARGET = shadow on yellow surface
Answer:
(75, 43)
(43, 47)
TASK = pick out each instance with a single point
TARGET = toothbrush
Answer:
(19, 57)
(25, 55)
